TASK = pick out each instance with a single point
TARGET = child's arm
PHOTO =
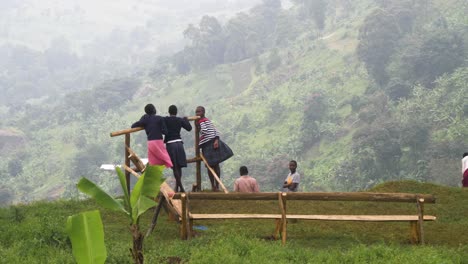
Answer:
(140, 123)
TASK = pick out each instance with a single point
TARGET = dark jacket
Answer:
(154, 126)
(174, 125)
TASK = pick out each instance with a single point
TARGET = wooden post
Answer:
(414, 234)
(420, 204)
(284, 221)
(197, 155)
(277, 228)
(183, 228)
(127, 161)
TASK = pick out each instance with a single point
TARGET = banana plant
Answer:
(87, 237)
(132, 204)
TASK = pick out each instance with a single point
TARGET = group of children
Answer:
(169, 150)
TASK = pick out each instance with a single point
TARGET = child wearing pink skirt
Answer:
(155, 128)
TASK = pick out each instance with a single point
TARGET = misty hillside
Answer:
(358, 92)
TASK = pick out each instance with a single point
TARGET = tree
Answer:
(378, 38)
(207, 43)
(314, 112)
(274, 60)
(425, 56)
(315, 9)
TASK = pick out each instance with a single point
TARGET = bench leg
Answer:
(415, 235)
(191, 233)
(277, 228)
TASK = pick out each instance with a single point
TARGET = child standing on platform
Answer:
(155, 127)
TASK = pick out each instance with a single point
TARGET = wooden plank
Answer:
(136, 160)
(316, 196)
(128, 169)
(369, 218)
(168, 192)
(195, 159)
(234, 216)
(214, 173)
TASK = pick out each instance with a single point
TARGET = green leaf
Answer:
(123, 184)
(153, 180)
(147, 186)
(143, 204)
(88, 187)
(87, 237)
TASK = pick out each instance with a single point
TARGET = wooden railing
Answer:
(416, 220)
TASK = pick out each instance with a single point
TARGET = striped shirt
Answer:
(207, 131)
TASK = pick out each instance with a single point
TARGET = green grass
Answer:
(35, 233)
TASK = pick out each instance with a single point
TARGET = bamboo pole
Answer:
(320, 196)
(214, 173)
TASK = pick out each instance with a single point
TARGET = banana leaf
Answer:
(87, 237)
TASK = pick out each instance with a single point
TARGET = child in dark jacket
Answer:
(155, 127)
(174, 144)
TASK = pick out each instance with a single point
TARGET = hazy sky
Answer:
(36, 23)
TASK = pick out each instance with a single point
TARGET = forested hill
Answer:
(358, 92)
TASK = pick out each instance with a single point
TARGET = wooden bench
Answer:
(416, 220)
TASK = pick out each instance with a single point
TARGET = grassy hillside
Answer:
(35, 233)
(351, 101)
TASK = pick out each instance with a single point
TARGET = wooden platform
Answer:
(174, 205)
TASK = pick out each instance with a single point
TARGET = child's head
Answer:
(200, 111)
(150, 109)
(173, 110)
(243, 170)
(465, 154)
(292, 166)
